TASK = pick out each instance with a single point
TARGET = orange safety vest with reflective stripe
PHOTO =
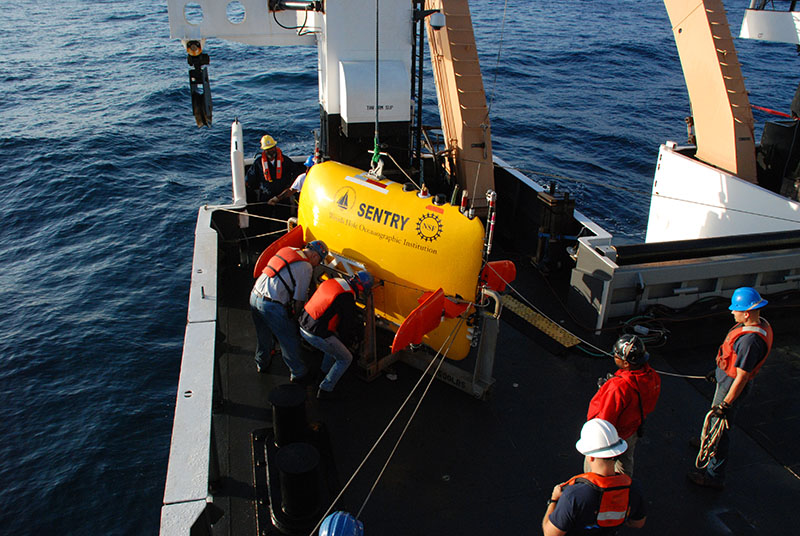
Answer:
(325, 295)
(614, 499)
(726, 356)
(278, 165)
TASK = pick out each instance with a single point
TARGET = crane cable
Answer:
(377, 147)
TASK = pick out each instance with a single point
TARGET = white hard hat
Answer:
(600, 439)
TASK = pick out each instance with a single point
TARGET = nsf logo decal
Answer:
(345, 198)
(429, 227)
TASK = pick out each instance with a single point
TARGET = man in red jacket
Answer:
(626, 398)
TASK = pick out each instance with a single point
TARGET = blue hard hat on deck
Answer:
(341, 524)
(309, 161)
(746, 299)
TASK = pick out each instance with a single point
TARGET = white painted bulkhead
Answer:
(249, 22)
(691, 199)
(768, 25)
(347, 48)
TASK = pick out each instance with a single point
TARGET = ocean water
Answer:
(102, 170)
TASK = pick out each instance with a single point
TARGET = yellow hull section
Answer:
(405, 241)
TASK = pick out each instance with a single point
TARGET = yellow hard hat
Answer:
(267, 142)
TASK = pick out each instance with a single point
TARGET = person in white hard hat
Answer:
(598, 501)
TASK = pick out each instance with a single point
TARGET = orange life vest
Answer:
(278, 165)
(327, 292)
(726, 357)
(614, 499)
(284, 257)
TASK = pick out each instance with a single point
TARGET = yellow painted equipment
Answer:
(405, 241)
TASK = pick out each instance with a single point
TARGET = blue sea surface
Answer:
(103, 170)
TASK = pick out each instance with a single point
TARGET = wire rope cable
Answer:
(497, 61)
(641, 192)
(377, 148)
(598, 352)
(451, 338)
(391, 422)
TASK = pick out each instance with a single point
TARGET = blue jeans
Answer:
(337, 358)
(272, 320)
(718, 464)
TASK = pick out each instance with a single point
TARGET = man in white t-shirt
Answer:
(296, 186)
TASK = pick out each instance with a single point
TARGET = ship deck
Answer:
(471, 467)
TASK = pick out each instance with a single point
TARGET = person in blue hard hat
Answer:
(277, 296)
(743, 352)
(296, 186)
(341, 524)
(330, 323)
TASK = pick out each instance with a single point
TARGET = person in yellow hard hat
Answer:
(271, 173)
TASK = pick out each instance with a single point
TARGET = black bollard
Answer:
(298, 465)
(288, 413)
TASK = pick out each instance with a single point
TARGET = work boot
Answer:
(701, 478)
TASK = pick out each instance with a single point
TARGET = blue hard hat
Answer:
(309, 161)
(341, 524)
(363, 280)
(319, 247)
(746, 299)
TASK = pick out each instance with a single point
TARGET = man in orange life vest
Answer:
(627, 397)
(271, 172)
(280, 292)
(330, 323)
(599, 500)
(741, 355)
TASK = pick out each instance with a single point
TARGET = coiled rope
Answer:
(713, 428)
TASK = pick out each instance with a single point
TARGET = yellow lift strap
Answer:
(544, 324)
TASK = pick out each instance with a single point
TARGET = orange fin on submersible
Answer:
(421, 321)
(451, 309)
(498, 274)
(293, 238)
